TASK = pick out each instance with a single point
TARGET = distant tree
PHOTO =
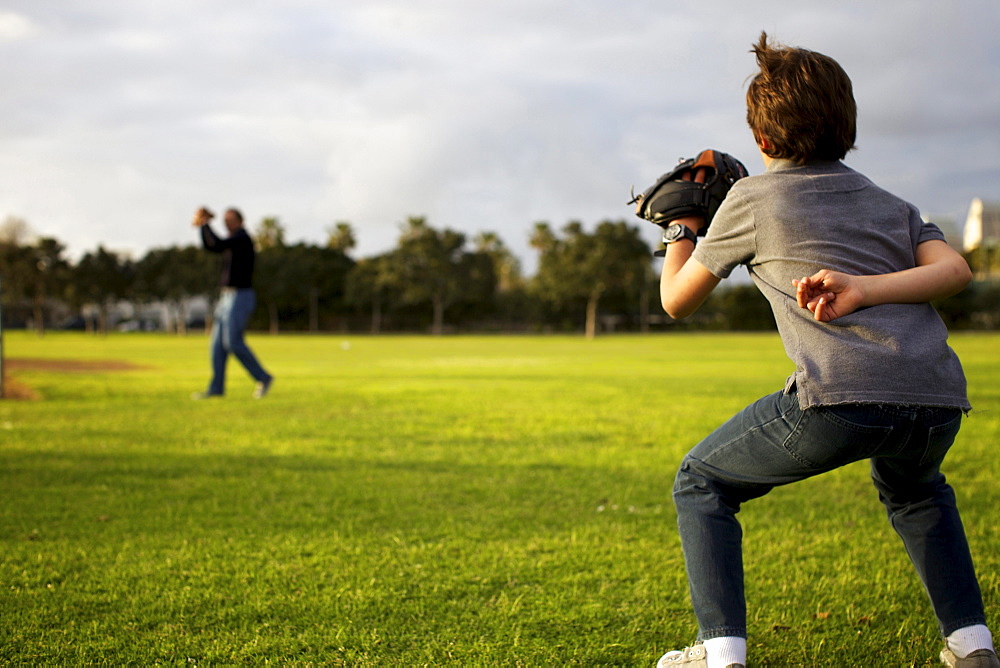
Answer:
(341, 237)
(506, 266)
(371, 284)
(738, 308)
(102, 278)
(16, 231)
(317, 276)
(50, 276)
(14, 274)
(511, 304)
(543, 239)
(270, 284)
(270, 234)
(300, 279)
(174, 275)
(270, 239)
(193, 273)
(16, 278)
(984, 260)
(34, 272)
(975, 307)
(584, 267)
(436, 269)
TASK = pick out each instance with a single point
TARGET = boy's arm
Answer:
(685, 283)
(940, 272)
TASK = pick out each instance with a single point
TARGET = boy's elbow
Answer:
(960, 276)
(682, 298)
(675, 310)
(964, 273)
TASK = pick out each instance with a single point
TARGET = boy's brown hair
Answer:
(802, 103)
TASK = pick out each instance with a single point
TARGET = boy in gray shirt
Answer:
(849, 271)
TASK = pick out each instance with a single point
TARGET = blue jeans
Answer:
(774, 442)
(231, 316)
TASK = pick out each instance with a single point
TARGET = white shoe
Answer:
(689, 657)
(692, 657)
(263, 387)
(981, 658)
(197, 396)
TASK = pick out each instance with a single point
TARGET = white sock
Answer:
(727, 650)
(967, 640)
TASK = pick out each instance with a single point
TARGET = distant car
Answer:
(138, 325)
(75, 322)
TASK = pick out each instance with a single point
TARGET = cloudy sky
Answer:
(118, 118)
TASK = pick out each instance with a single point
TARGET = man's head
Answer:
(800, 106)
(234, 220)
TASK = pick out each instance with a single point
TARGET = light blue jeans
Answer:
(774, 442)
(231, 317)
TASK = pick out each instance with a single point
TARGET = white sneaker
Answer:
(689, 657)
(981, 658)
(263, 387)
(197, 396)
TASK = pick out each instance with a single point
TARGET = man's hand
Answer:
(829, 294)
(202, 217)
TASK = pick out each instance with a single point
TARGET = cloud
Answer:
(122, 117)
(15, 27)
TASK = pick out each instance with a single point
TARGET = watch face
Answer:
(673, 233)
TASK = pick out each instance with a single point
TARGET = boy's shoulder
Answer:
(787, 176)
(824, 187)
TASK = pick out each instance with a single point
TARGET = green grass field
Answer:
(419, 501)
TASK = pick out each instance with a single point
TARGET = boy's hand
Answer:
(829, 294)
(940, 272)
(694, 222)
(695, 188)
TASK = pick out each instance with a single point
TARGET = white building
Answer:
(982, 227)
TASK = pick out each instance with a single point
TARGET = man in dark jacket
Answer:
(236, 302)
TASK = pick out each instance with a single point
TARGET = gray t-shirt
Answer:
(794, 220)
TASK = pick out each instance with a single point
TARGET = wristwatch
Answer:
(675, 232)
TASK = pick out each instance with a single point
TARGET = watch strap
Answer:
(687, 233)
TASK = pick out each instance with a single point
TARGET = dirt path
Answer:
(15, 389)
(68, 366)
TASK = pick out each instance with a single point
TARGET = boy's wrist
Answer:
(866, 291)
(693, 223)
(675, 232)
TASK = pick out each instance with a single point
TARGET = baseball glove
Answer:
(671, 197)
(202, 217)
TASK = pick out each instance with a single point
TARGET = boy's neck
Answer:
(765, 157)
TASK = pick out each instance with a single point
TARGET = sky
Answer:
(119, 118)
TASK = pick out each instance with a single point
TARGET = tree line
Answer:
(436, 280)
